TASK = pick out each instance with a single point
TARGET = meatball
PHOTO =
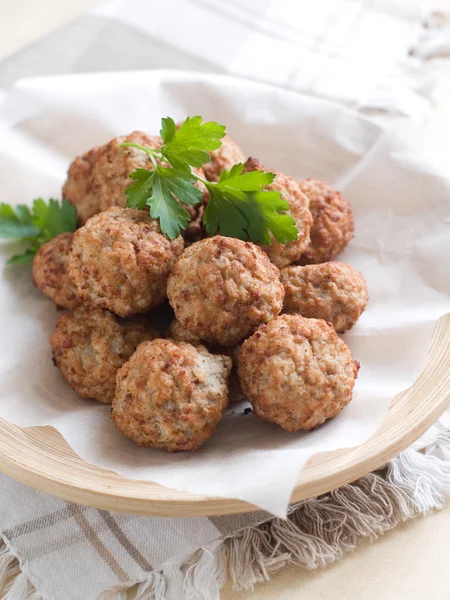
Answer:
(222, 288)
(195, 231)
(99, 178)
(333, 225)
(297, 372)
(171, 395)
(78, 188)
(50, 271)
(331, 291)
(285, 254)
(180, 334)
(224, 157)
(120, 261)
(90, 344)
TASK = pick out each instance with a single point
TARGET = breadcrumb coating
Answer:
(120, 261)
(222, 288)
(296, 372)
(50, 271)
(333, 225)
(90, 344)
(171, 395)
(332, 291)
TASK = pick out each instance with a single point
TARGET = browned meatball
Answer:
(331, 291)
(221, 289)
(224, 157)
(171, 395)
(50, 271)
(99, 178)
(120, 261)
(297, 372)
(179, 333)
(195, 231)
(285, 254)
(90, 344)
(333, 225)
(78, 188)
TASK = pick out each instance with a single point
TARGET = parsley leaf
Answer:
(36, 226)
(181, 185)
(165, 207)
(16, 223)
(168, 129)
(240, 207)
(21, 259)
(163, 190)
(190, 144)
(139, 192)
(60, 218)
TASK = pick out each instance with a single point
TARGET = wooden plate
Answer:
(40, 457)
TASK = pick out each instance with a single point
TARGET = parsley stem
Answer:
(155, 164)
(148, 151)
(151, 152)
(204, 181)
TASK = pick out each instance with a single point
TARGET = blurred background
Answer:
(381, 57)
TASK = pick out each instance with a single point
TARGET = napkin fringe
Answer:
(319, 531)
(316, 533)
(14, 581)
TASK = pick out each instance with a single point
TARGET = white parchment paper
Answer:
(398, 184)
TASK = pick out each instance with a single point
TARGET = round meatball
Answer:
(297, 372)
(78, 188)
(222, 288)
(179, 333)
(111, 172)
(50, 274)
(171, 395)
(224, 157)
(331, 291)
(98, 179)
(333, 225)
(120, 261)
(90, 344)
(285, 254)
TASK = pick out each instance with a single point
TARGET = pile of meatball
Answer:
(250, 322)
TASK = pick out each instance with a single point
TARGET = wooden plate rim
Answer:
(25, 456)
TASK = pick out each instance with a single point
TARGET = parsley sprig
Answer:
(239, 206)
(35, 226)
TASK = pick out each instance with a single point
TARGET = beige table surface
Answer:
(411, 562)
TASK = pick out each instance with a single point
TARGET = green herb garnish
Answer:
(239, 206)
(36, 226)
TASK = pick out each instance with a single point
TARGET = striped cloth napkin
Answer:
(373, 56)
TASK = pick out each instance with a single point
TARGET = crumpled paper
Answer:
(397, 181)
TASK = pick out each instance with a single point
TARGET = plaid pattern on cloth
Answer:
(366, 54)
(73, 552)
